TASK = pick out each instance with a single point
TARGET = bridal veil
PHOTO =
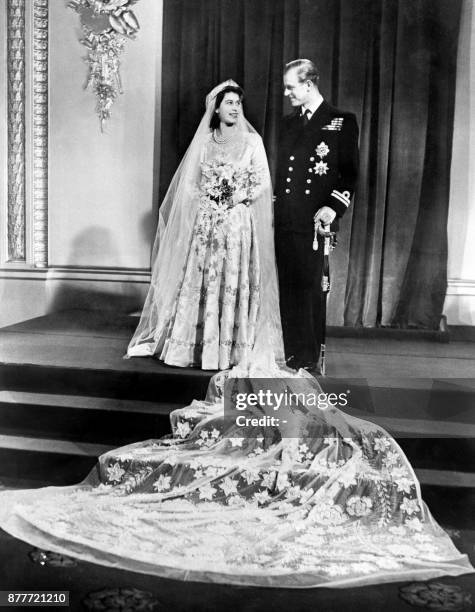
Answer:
(177, 216)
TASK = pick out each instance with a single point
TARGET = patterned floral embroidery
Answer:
(251, 476)
(228, 486)
(415, 524)
(115, 473)
(162, 483)
(404, 485)
(328, 513)
(214, 320)
(410, 506)
(183, 429)
(381, 444)
(207, 491)
(236, 442)
(359, 506)
(304, 512)
(262, 497)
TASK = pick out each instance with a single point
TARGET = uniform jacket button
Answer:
(307, 191)
(288, 180)
(291, 169)
(287, 191)
(291, 158)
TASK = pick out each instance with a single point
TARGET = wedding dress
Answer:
(213, 270)
(213, 323)
(330, 502)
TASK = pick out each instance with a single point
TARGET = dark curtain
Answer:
(392, 62)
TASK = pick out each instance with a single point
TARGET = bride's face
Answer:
(230, 108)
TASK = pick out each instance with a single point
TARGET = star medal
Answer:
(320, 168)
(322, 149)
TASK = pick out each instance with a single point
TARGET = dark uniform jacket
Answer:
(317, 166)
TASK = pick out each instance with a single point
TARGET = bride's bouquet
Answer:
(223, 185)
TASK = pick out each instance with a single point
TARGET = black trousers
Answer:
(300, 284)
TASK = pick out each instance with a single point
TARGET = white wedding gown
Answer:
(212, 325)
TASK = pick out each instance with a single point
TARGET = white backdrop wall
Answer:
(101, 192)
(460, 302)
(102, 199)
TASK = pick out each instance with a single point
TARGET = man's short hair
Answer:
(306, 70)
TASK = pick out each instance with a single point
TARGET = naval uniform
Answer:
(317, 166)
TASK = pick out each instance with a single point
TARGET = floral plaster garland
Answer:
(106, 25)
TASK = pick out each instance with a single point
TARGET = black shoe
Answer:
(308, 365)
(297, 364)
(292, 363)
(314, 370)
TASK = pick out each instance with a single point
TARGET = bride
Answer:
(331, 502)
(213, 269)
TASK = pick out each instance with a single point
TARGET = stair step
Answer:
(82, 402)
(454, 454)
(83, 419)
(61, 462)
(446, 478)
(22, 483)
(116, 422)
(431, 399)
(59, 447)
(52, 461)
(158, 384)
(411, 428)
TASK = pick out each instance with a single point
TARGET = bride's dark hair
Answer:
(214, 123)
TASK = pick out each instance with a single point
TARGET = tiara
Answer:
(214, 92)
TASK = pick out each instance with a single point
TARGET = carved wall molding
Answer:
(40, 133)
(73, 274)
(16, 129)
(27, 137)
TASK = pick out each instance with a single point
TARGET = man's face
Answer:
(298, 92)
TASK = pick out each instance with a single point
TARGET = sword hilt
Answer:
(329, 237)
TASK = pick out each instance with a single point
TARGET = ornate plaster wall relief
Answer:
(40, 133)
(106, 25)
(16, 130)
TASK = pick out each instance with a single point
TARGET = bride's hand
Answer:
(240, 197)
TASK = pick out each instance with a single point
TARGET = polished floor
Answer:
(93, 587)
(79, 337)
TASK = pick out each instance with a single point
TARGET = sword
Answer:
(329, 243)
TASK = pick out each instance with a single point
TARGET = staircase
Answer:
(56, 438)
(67, 396)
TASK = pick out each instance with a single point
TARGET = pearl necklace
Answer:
(221, 139)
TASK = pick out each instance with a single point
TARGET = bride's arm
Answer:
(260, 166)
(255, 177)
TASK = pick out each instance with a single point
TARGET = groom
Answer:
(316, 176)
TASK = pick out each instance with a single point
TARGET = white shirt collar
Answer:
(312, 107)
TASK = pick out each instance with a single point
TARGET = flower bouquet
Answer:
(223, 186)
